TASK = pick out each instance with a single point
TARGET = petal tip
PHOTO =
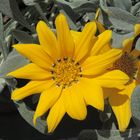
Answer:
(14, 95)
(34, 120)
(15, 46)
(40, 24)
(60, 17)
(109, 33)
(9, 74)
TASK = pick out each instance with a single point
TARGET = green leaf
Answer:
(13, 61)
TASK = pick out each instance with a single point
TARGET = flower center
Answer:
(66, 72)
(128, 64)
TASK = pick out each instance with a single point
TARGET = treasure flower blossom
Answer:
(64, 73)
(120, 100)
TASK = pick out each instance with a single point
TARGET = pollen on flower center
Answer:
(126, 63)
(66, 72)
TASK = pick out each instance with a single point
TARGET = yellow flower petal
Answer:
(127, 45)
(103, 39)
(135, 53)
(47, 100)
(112, 79)
(138, 75)
(32, 87)
(35, 54)
(97, 14)
(31, 71)
(74, 103)
(64, 36)
(75, 35)
(92, 92)
(105, 48)
(100, 27)
(107, 92)
(97, 64)
(83, 45)
(55, 115)
(47, 39)
(137, 29)
(122, 110)
(129, 88)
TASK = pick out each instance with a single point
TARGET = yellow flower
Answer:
(65, 74)
(129, 64)
(120, 100)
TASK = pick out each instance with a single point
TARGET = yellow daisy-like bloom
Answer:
(65, 73)
(120, 100)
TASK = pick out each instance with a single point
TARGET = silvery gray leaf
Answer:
(29, 2)
(117, 39)
(138, 44)
(123, 4)
(13, 61)
(124, 18)
(3, 46)
(103, 4)
(69, 11)
(91, 15)
(9, 26)
(135, 9)
(33, 2)
(87, 7)
(77, 3)
(130, 134)
(135, 105)
(22, 36)
(72, 24)
(28, 114)
(117, 16)
(11, 82)
(2, 84)
(87, 134)
(11, 9)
